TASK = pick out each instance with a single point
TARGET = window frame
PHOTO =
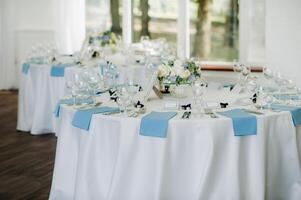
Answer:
(183, 34)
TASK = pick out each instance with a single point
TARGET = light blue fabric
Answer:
(228, 85)
(82, 118)
(69, 102)
(243, 122)
(155, 124)
(59, 70)
(286, 97)
(37, 60)
(102, 68)
(25, 68)
(295, 112)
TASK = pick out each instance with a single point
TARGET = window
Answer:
(156, 19)
(214, 29)
(208, 29)
(101, 16)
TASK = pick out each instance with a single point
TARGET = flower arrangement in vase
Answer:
(176, 72)
(107, 38)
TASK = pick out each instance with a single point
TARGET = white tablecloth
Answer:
(201, 159)
(39, 94)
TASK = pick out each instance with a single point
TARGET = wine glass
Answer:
(261, 98)
(237, 68)
(198, 90)
(251, 84)
(246, 71)
(268, 75)
(145, 41)
(71, 90)
(123, 98)
(93, 84)
(278, 78)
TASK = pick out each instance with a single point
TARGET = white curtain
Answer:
(8, 70)
(283, 37)
(69, 25)
(252, 31)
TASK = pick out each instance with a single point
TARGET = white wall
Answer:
(24, 23)
(283, 37)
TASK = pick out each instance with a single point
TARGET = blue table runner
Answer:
(295, 112)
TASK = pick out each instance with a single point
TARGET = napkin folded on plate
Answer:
(69, 102)
(25, 68)
(295, 112)
(155, 124)
(243, 123)
(286, 97)
(82, 118)
(58, 70)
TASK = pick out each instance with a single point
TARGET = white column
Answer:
(127, 21)
(183, 38)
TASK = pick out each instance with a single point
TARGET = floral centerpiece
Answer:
(107, 38)
(177, 72)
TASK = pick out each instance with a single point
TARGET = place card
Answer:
(171, 105)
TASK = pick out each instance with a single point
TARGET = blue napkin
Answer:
(25, 68)
(37, 60)
(228, 85)
(155, 124)
(58, 70)
(295, 112)
(82, 118)
(243, 122)
(286, 97)
(69, 102)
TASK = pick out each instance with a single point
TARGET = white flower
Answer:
(176, 70)
(184, 74)
(163, 71)
(178, 64)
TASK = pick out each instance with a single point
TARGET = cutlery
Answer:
(253, 112)
(188, 114)
(210, 113)
(184, 115)
(85, 107)
(113, 112)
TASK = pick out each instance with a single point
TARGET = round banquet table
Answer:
(39, 94)
(200, 158)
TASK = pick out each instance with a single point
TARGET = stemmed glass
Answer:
(268, 74)
(251, 84)
(237, 68)
(291, 87)
(123, 98)
(198, 89)
(261, 98)
(246, 71)
(278, 79)
(93, 84)
(72, 90)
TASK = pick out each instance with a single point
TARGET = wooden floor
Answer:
(26, 161)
